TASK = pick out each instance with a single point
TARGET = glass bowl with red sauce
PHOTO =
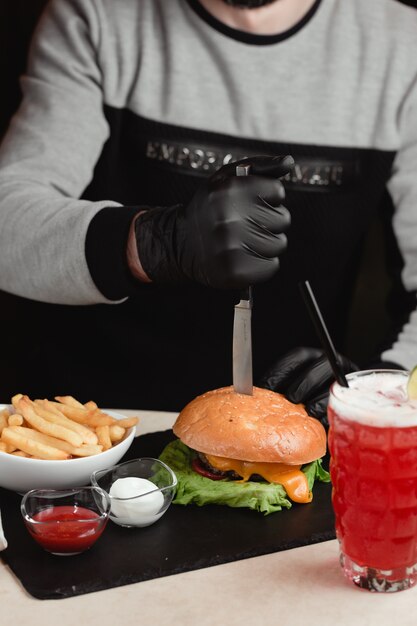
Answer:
(66, 521)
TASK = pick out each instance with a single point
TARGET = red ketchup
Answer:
(66, 529)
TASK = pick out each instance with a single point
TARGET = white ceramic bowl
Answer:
(22, 474)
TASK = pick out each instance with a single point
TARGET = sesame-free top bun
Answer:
(262, 427)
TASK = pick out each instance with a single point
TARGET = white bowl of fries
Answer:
(58, 444)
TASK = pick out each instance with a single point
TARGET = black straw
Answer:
(322, 332)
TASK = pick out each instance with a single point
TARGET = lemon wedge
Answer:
(412, 384)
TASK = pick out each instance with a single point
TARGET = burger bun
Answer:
(264, 427)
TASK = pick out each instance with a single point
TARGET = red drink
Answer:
(373, 447)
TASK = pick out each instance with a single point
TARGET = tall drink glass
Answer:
(373, 467)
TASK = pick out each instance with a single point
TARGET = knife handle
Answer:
(244, 294)
(242, 170)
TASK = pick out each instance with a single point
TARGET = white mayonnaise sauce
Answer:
(135, 501)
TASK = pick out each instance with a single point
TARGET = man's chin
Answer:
(248, 4)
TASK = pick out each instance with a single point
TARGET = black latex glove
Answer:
(229, 236)
(304, 375)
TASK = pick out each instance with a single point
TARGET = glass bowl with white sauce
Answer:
(140, 490)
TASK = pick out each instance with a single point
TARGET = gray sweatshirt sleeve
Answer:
(403, 189)
(47, 160)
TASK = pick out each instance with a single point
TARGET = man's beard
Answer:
(248, 4)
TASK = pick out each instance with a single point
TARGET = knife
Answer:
(3, 541)
(242, 344)
(242, 331)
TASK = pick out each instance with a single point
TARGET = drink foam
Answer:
(375, 399)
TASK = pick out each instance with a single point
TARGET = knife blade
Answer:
(242, 344)
(242, 331)
(3, 541)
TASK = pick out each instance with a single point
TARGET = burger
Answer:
(259, 451)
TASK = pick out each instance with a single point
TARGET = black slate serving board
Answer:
(185, 538)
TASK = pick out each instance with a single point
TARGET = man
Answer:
(135, 105)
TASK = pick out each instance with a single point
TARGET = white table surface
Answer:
(299, 587)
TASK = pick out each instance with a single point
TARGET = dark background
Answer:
(368, 319)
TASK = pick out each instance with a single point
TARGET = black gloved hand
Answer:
(229, 236)
(304, 375)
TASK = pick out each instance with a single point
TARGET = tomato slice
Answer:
(200, 469)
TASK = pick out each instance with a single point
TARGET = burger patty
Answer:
(231, 475)
(204, 462)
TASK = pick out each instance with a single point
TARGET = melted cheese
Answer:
(290, 477)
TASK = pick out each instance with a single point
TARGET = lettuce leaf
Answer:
(259, 496)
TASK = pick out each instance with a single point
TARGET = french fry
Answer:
(69, 401)
(103, 435)
(15, 420)
(97, 418)
(93, 417)
(84, 450)
(128, 422)
(4, 416)
(91, 405)
(48, 428)
(72, 412)
(116, 433)
(21, 453)
(41, 407)
(31, 447)
(6, 447)
(47, 404)
(15, 399)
